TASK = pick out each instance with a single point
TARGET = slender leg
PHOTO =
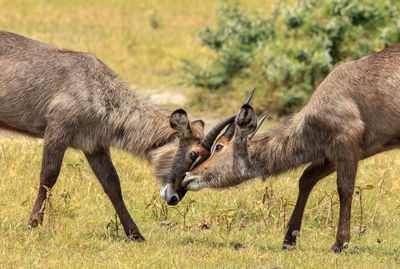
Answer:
(104, 170)
(346, 177)
(314, 173)
(53, 153)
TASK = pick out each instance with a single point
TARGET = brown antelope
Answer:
(353, 114)
(72, 99)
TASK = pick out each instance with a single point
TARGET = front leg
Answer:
(314, 173)
(53, 153)
(102, 166)
(346, 177)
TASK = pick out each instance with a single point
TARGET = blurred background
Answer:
(205, 55)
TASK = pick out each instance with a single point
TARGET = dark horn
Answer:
(208, 141)
(231, 128)
(229, 131)
(250, 136)
(248, 99)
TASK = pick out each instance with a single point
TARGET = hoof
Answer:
(136, 238)
(336, 249)
(35, 220)
(33, 224)
(287, 246)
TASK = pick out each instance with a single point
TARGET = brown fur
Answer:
(72, 99)
(353, 114)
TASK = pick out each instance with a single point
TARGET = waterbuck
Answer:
(72, 99)
(353, 114)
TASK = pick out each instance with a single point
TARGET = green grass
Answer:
(78, 229)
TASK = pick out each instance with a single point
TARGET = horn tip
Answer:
(248, 99)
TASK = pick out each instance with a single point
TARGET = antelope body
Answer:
(72, 99)
(353, 114)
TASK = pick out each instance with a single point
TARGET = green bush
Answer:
(234, 41)
(288, 53)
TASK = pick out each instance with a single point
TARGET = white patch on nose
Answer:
(166, 193)
(163, 192)
(193, 183)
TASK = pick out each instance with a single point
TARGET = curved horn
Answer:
(208, 141)
(229, 131)
(214, 132)
(250, 136)
(231, 128)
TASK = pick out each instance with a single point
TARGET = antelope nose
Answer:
(173, 201)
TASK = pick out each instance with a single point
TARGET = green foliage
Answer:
(155, 20)
(295, 47)
(235, 40)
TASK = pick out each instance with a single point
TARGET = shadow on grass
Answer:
(380, 249)
(226, 243)
(213, 243)
(105, 236)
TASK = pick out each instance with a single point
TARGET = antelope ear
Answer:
(198, 123)
(199, 126)
(246, 122)
(179, 121)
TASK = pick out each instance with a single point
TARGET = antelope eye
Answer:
(193, 155)
(218, 147)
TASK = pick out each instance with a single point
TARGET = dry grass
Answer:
(78, 229)
(118, 32)
(121, 34)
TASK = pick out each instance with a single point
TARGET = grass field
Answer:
(143, 42)
(230, 228)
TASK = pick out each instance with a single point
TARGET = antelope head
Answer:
(229, 163)
(193, 149)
